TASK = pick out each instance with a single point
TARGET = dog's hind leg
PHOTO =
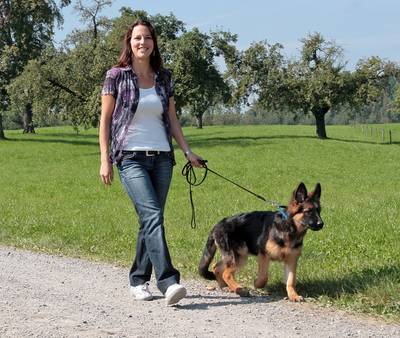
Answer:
(290, 269)
(263, 264)
(229, 278)
(231, 266)
(218, 269)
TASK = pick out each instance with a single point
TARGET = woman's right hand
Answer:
(106, 172)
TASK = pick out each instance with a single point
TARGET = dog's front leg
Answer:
(263, 264)
(290, 271)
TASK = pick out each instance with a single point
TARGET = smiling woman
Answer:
(138, 117)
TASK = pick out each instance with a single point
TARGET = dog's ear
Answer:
(300, 194)
(316, 193)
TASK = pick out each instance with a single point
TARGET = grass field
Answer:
(51, 200)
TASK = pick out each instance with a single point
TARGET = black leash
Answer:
(191, 179)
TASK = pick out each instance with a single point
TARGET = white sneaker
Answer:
(141, 292)
(174, 294)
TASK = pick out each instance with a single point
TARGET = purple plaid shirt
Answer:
(122, 83)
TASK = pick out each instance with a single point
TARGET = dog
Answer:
(269, 235)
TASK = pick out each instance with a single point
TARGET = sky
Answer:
(362, 28)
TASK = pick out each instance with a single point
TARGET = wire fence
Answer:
(379, 134)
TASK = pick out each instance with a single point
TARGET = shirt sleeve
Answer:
(109, 85)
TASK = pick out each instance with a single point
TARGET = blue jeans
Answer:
(146, 179)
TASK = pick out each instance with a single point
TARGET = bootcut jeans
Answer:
(146, 179)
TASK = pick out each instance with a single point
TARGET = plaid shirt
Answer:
(122, 83)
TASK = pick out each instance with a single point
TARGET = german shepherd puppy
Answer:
(269, 235)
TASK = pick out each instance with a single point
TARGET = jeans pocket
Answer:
(126, 160)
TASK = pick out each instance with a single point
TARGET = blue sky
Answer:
(362, 27)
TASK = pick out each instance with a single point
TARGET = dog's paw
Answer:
(242, 292)
(296, 298)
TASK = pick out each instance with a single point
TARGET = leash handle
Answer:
(191, 179)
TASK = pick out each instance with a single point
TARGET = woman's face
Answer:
(142, 43)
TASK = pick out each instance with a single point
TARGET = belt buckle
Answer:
(150, 153)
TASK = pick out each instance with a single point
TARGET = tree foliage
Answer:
(70, 76)
(199, 85)
(26, 28)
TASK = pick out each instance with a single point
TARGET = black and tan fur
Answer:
(266, 234)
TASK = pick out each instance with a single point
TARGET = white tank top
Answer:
(147, 131)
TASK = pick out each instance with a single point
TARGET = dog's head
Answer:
(305, 208)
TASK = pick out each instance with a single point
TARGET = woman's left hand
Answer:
(195, 160)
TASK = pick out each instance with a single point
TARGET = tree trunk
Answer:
(28, 124)
(2, 136)
(320, 123)
(199, 121)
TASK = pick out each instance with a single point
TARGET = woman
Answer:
(138, 121)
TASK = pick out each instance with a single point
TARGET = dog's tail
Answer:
(208, 255)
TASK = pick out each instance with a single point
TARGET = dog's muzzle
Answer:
(316, 226)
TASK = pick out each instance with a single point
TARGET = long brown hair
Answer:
(126, 55)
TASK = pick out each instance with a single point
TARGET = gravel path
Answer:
(54, 296)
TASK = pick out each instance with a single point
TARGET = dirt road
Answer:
(54, 296)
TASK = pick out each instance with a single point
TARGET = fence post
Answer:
(390, 137)
(383, 136)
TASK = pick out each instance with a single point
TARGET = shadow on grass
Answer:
(246, 140)
(239, 140)
(349, 284)
(363, 142)
(79, 142)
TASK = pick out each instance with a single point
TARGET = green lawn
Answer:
(51, 200)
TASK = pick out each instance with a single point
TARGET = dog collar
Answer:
(283, 213)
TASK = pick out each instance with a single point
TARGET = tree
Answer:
(374, 79)
(259, 75)
(90, 13)
(313, 84)
(26, 28)
(318, 80)
(198, 84)
(70, 76)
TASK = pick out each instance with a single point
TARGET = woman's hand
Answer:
(106, 172)
(195, 160)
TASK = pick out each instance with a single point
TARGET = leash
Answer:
(191, 179)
